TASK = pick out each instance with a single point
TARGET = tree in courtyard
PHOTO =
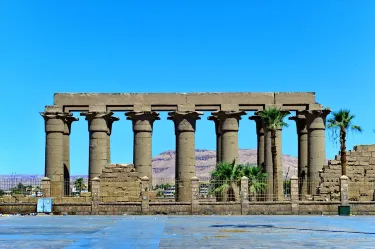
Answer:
(79, 185)
(225, 180)
(340, 123)
(273, 119)
(257, 179)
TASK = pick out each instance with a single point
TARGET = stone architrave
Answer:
(98, 133)
(316, 126)
(229, 126)
(54, 154)
(218, 137)
(110, 122)
(260, 139)
(300, 120)
(66, 154)
(185, 126)
(142, 153)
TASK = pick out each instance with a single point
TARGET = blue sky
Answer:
(321, 46)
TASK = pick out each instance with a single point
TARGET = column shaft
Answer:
(229, 126)
(218, 137)
(142, 151)
(316, 122)
(110, 122)
(66, 153)
(260, 139)
(98, 149)
(300, 120)
(280, 178)
(268, 165)
(54, 151)
(185, 126)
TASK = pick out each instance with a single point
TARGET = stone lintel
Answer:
(97, 108)
(230, 107)
(141, 108)
(53, 108)
(186, 108)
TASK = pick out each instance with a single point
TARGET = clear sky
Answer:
(327, 47)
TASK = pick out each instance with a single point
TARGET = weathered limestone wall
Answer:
(120, 183)
(134, 208)
(361, 173)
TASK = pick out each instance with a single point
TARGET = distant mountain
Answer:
(163, 164)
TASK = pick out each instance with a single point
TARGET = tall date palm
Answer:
(273, 119)
(340, 123)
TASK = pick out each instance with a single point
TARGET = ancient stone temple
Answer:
(184, 110)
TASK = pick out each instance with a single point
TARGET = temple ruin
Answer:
(184, 110)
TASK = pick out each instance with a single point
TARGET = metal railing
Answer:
(20, 186)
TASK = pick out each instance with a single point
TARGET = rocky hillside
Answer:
(163, 164)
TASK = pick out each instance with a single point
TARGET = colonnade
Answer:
(311, 145)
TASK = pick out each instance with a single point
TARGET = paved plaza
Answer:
(187, 232)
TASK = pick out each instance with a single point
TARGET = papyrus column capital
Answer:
(184, 121)
(142, 120)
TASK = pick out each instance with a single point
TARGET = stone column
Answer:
(229, 126)
(110, 122)
(300, 120)
(260, 139)
(54, 151)
(66, 154)
(218, 138)
(268, 165)
(142, 152)
(98, 153)
(185, 125)
(316, 125)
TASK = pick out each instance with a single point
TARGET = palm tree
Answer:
(340, 123)
(225, 180)
(79, 185)
(273, 119)
(257, 179)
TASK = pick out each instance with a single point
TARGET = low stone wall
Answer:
(220, 208)
(172, 208)
(269, 208)
(185, 208)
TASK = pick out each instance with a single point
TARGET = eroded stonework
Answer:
(361, 173)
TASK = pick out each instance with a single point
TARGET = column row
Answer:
(310, 129)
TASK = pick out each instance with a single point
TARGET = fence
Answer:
(207, 190)
(219, 190)
(20, 186)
